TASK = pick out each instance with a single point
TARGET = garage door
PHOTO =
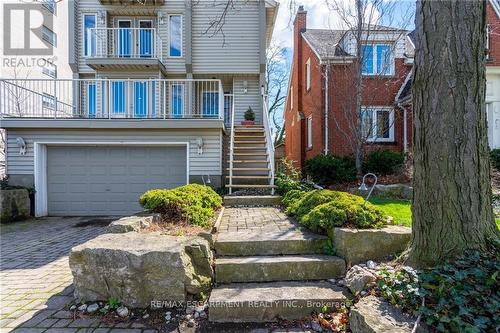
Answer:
(108, 180)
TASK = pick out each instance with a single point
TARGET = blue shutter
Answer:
(384, 61)
(367, 59)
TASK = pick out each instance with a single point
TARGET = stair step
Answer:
(250, 148)
(252, 200)
(249, 154)
(264, 302)
(278, 268)
(250, 161)
(249, 136)
(249, 177)
(250, 186)
(249, 126)
(249, 130)
(249, 169)
(263, 142)
(256, 243)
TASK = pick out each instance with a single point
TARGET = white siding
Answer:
(235, 49)
(209, 162)
(252, 98)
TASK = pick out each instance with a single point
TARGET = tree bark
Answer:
(452, 209)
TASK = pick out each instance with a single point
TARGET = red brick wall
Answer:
(494, 36)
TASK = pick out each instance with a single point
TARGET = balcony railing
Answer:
(112, 99)
(123, 43)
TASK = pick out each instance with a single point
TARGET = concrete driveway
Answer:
(35, 279)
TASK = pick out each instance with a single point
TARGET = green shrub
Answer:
(495, 158)
(346, 210)
(288, 179)
(310, 200)
(330, 169)
(459, 296)
(249, 114)
(291, 197)
(193, 203)
(383, 162)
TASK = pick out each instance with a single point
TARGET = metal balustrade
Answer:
(112, 98)
(123, 43)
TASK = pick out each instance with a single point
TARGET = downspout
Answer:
(327, 71)
(405, 130)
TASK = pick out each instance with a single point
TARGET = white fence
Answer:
(110, 99)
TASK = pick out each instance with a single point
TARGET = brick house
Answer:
(320, 108)
(493, 73)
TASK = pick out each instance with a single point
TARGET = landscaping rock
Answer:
(92, 308)
(138, 268)
(131, 223)
(360, 245)
(15, 205)
(357, 278)
(122, 311)
(375, 315)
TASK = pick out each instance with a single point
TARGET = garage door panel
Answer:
(108, 180)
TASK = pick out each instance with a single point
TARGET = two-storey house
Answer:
(157, 92)
(320, 111)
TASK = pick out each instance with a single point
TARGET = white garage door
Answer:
(108, 180)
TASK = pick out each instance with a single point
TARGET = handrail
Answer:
(231, 151)
(269, 140)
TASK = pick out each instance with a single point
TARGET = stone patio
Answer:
(269, 219)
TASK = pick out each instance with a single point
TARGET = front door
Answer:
(145, 38)
(140, 99)
(124, 42)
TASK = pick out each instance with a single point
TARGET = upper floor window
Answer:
(378, 124)
(175, 35)
(308, 74)
(48, 101)
(49, 36)
(377, 59)
(291, 97)
(50, 70)
(309, 132)
(89, 21)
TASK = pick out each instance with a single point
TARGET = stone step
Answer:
(265, 302)
(250, 186)
(257, 242)
(278, 268)
(252, 200)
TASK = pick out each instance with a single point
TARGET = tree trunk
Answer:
(452, 209)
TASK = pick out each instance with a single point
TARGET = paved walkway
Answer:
(269, 219)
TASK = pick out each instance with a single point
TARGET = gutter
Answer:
(327, 72)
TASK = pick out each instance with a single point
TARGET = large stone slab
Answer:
(139, 268)
(360, 245)
(278, 268)
(14, 205)
(264, 302)
(375, 315)
(132, 223)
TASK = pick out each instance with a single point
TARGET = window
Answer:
(49, 36)
(308, 74)
(377, 59)
(89, 38)
(125, 42)
(48, 101)
(50, 5)
(210, 106)
(145, 38)
(291, 98)
(378, 124)
(175, 36)
(177, 100)
(309, 132)
(50, 70)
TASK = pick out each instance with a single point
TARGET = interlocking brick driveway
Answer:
(35, 279)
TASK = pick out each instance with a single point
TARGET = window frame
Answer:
(308, 74)
(309, 132)
(50, 72)
(170, 36)
(374, 61)
(48, 101)
(85, 47)
(373, 110)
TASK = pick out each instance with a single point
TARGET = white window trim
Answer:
(84, 33)
(308, 74)
(373, 110)
(169, 36)
(374, 64)
(291, 98)
(309, 132)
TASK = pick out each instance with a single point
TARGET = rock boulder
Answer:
(139, 268)
(357, 278)
(14, 205)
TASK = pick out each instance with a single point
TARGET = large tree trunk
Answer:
(452, 208)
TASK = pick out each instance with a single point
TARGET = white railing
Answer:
(112, 98)
(228, 109)
(123, 43)
(269, 140)
(231, 151)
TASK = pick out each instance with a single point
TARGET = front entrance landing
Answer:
(268, 268)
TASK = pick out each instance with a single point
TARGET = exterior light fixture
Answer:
(199, 143)
(245, 87)
(363, 186)
(160, 17)
(22, 145)
(102, 17)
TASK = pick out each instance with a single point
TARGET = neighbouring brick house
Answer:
(320, 104)
(493, 73)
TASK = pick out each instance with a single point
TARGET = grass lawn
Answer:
(400, 210)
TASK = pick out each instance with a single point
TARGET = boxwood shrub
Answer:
(321, 210)
(495, 158)
(195, 204)
(330, 169)
(383, 162)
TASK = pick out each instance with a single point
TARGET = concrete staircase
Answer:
(251, 163)
(266, 274)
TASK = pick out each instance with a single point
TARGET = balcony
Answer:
(133, 2)
(123, 49)
(113, 100)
